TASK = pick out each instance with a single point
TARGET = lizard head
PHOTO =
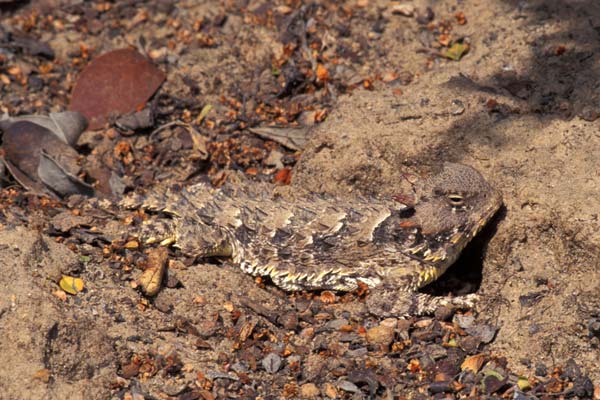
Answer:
(451, 207)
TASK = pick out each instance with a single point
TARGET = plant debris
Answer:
(113, 84)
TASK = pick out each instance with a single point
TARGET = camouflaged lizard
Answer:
(317, 242)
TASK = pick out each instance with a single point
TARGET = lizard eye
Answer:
(455, 200)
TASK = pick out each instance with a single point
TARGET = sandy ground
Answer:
(521, 107)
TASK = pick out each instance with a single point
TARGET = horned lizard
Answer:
(316, 242)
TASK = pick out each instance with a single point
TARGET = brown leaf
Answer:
(115, 83)
(24, 141)
(247, 328)
(67, 125)
(130, 370)
(151, 279)
(473, 363)
(40, 161)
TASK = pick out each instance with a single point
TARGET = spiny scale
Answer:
(319, 242)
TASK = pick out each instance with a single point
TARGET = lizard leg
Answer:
(200, 240)
(193, 238)
(155, 232)
(388, 301)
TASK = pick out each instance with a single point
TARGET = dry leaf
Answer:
(292, 138)
(473, 363)
(283, 176)
(152, 277)
(115, 83)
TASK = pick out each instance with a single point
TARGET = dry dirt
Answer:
(521, 107)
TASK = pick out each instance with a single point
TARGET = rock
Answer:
(484, 332)
(348, 386)
(271, 363)
(594, 327)
(541, 369)
(274, 159)
(289, 320)
(309, 391)
(406, 10)
(330, 391)
(589, 114)
(382, 335)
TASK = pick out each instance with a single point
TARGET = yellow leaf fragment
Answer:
(71, 284)
(523, 383)
(203, 113)
(473, 363)
(496, 374)
(456, 51)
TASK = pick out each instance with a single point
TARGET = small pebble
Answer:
(271, 363)
(541, 370)
(594, 327)
(484, 332)
(289, 320)
(380, 335)
(464, 321)
(589, 114)
(406, 10)
(440, 387)
(348, 386)
(309, 391)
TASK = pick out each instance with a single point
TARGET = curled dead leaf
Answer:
(292, 138)
(151, 279)
(40, 161)
(66, 125)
